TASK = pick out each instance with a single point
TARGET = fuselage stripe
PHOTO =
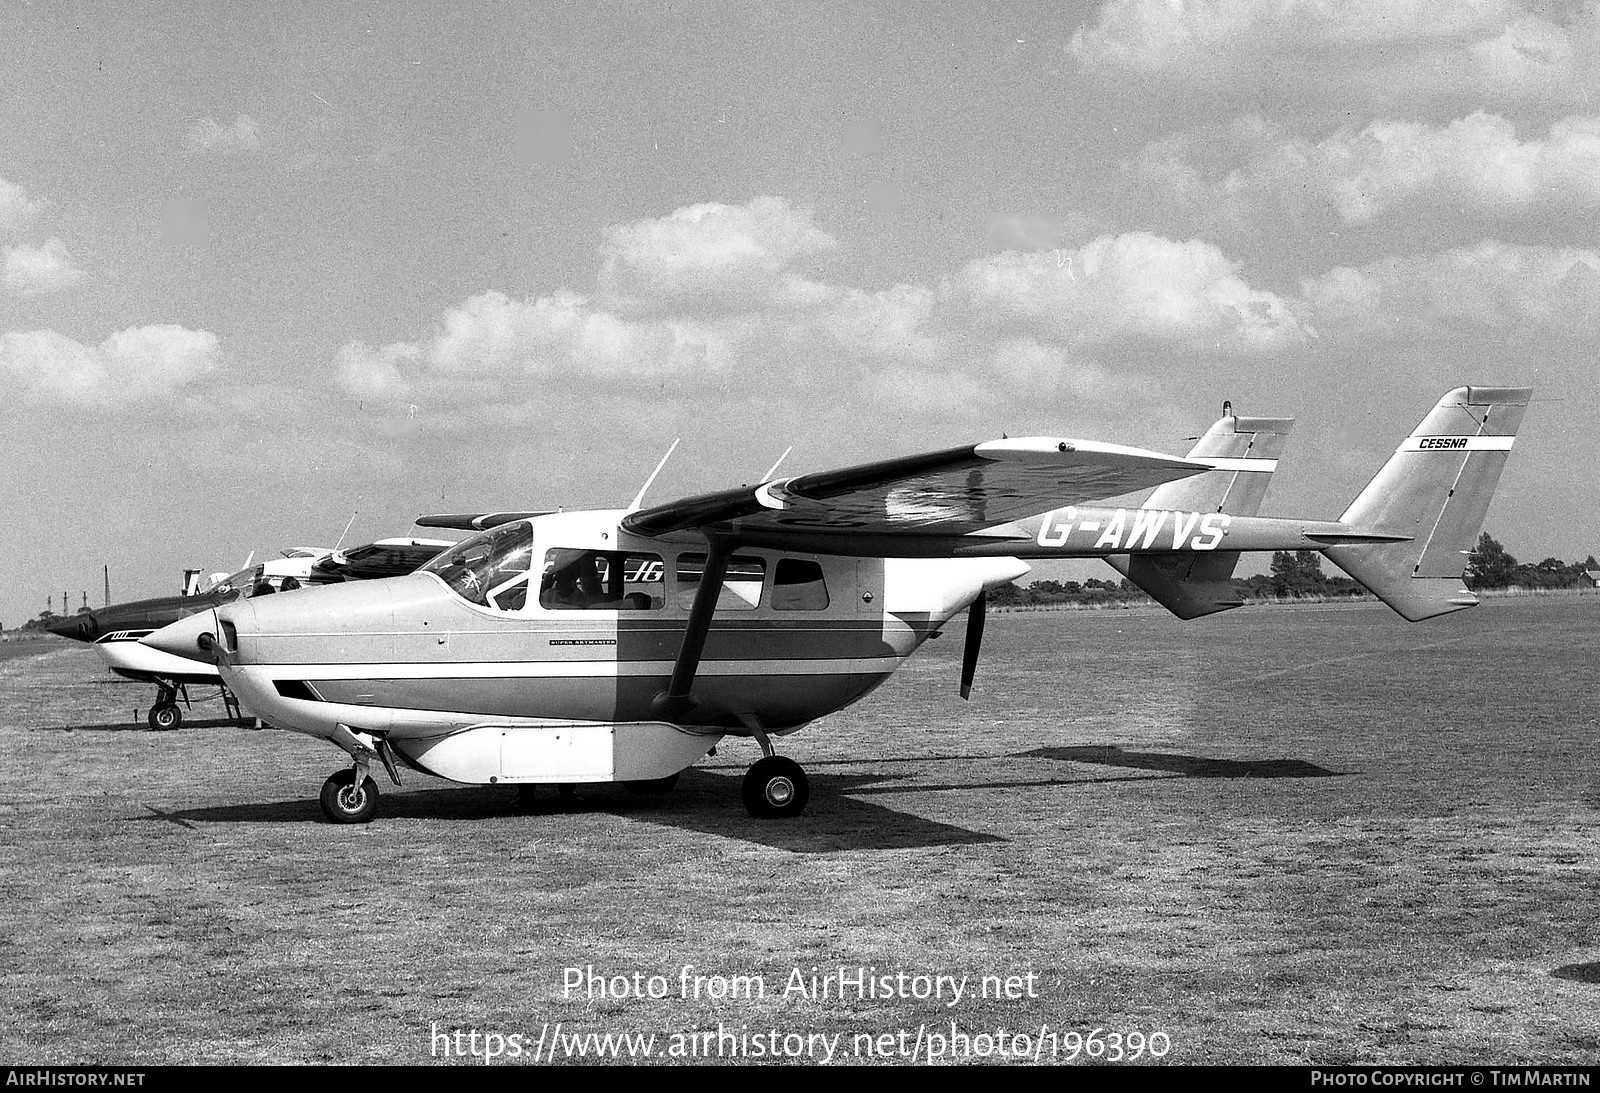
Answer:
(575, 669)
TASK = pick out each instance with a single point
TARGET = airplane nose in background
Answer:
(82, 627)
(182, 638)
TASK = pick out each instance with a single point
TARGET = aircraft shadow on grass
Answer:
(1190, 766)
(142, 726)
(704, 801)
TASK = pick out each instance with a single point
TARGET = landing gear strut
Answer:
(165, 714)
(350, 796)
(774, 787)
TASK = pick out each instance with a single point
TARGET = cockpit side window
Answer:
(491, 569)
(741, 587)
(797, 585)
(601, 580)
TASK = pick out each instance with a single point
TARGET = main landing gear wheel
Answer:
(650, 787)
(165, 716)
(775, 787)
(344, 802)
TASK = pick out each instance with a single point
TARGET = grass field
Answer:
(1282, 835)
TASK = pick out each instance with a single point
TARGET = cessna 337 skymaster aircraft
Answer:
(623, 645)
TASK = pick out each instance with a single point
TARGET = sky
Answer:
(267, 270)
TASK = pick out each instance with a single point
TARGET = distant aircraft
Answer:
(116, 630)
(622, 645)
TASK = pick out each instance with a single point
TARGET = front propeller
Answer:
(969, 654)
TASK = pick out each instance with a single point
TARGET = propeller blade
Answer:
(969, 654)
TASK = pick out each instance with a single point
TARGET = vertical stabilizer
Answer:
(1244, 451)
(1434, 491)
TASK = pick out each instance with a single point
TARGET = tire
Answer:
(651, 787)
(165, 717)
(343, 802)
(775, 787)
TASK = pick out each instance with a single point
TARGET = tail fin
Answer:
(1434, 491)
(1245, 451)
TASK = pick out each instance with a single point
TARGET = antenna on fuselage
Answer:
(772, 470)
(638, 501)
(346, 530)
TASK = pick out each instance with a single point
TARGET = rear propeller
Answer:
(969, 654)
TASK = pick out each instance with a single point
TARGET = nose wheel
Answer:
(346, 801)
(775, 787)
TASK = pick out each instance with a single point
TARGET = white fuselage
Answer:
(481, 676)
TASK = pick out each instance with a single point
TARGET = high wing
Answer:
(476, 521)
(383, 558)
(919, 503)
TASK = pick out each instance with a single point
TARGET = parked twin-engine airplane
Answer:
(623, 645)
(116, 630)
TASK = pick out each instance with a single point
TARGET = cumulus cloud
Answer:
(17, 209)
(132, 366)
(207, 135)
(1475, 164)
(37, 271)
(710, 256)
(1492, 290)
(1046, 316)
(1156, 36)
(1385, 50)
(1136, 285)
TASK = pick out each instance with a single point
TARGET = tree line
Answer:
(1299, 575)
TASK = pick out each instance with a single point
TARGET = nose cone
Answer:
(83, 626)
(182, 638)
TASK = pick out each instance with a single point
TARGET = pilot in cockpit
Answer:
(561, 589)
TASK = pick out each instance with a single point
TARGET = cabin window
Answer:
(797, 585)
(741, 586)
(602, 580)
(489, 569)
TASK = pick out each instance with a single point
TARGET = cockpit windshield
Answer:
(489, 569)
(253, 582)
(242, 581)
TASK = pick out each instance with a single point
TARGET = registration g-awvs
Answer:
(622, 645)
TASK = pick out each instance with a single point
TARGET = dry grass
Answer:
(1278, 836)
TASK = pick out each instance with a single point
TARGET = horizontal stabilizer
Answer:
(1243, 452)
(1431, 498)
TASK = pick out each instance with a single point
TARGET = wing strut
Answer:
(677, 700)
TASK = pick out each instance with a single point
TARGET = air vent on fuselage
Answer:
(296, 688)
